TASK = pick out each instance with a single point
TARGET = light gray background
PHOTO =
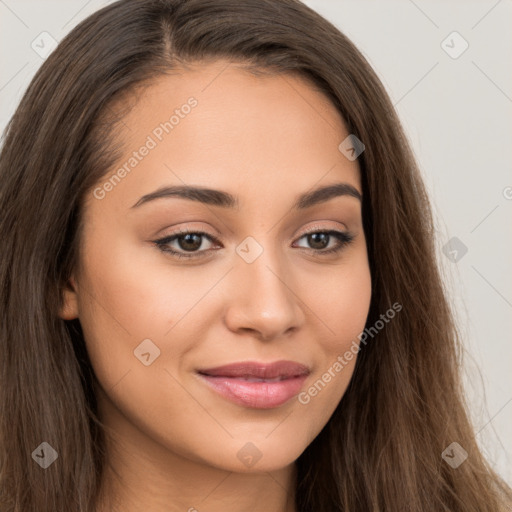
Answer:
(457, 113)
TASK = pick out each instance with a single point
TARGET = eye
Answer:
(320, 239)
(189, 244)
(188, 241)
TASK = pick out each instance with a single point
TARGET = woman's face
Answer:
(252, 288)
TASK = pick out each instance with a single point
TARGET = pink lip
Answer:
(276, 383)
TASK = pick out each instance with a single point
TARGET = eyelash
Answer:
(344, 239)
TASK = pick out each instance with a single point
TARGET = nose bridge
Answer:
(263, 297)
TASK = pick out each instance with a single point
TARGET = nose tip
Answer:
(262, 301)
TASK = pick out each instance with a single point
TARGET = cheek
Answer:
(131, 294)
(342, 305)
(129, 303)
(339, 301)
(119, 307)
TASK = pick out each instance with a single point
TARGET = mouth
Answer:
(257, 385)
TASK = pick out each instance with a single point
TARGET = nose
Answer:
(263, 300)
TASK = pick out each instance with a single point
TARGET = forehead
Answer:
(218, 125)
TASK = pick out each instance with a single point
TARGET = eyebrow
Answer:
(225, 200)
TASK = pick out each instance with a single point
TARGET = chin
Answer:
(261, 454)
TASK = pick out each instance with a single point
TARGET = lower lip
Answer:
(258, 395)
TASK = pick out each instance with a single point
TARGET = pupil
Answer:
(188, 238)
(322, 238)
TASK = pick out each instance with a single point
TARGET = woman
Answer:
(219, 281)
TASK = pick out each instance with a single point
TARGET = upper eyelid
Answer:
(214, 238)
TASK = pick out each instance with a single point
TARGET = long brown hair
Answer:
(382, 448)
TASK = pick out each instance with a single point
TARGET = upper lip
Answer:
(282, 369)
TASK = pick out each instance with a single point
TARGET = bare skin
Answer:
(175, 443)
